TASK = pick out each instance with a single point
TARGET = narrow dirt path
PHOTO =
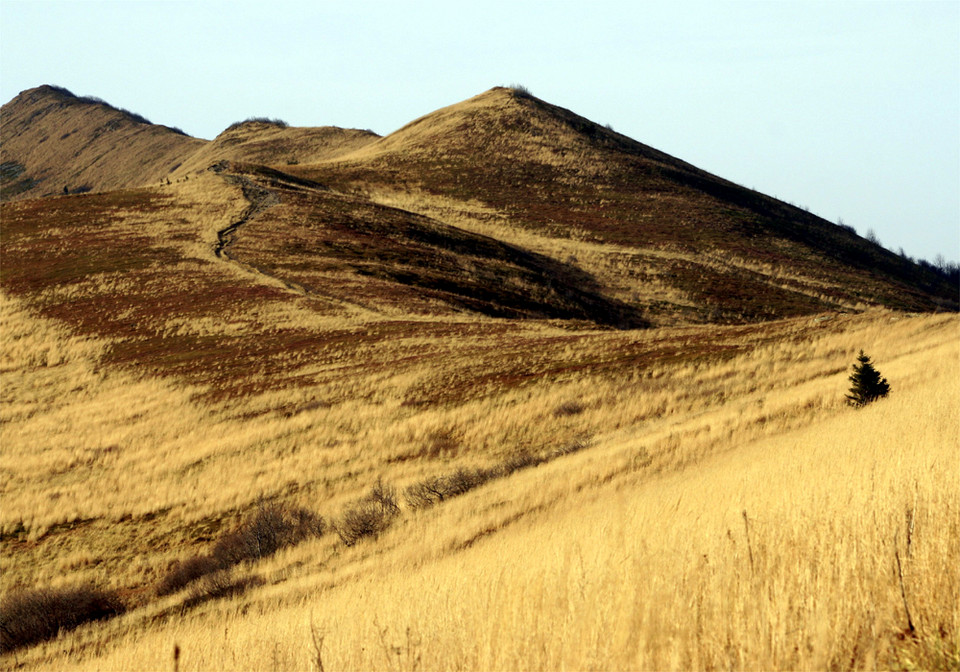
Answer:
(259, 197)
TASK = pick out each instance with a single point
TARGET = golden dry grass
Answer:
(67, 142)
(633, 553)
(274, 145)
(695, 496)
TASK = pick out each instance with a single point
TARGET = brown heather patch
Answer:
(400, 262)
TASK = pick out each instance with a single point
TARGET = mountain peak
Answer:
(55, 142)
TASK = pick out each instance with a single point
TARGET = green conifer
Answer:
(866, 384)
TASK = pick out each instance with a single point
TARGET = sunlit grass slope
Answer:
(750, 520)
(53, 140)
(611, 411)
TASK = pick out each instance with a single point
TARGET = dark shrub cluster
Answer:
(132, 116)
(270, 529)
(370, 516)
(434, 490)
(522, 459)
(568, 408)
(217, 585)
(184, 572)
(279, 123)
(521, 91)
(63, 91)
(95, 100)
(574, 446)
(34, 616)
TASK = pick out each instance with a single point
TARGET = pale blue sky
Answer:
(851, 109)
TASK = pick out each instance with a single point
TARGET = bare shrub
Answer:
(219, 585)
(271, 528)
(436, 489)
(463, 480)
(568, 408)
(34, 616)
(522, 459)
(426, 493)
(433, 490)
(279, 123)
(370, 516)
(132, 116)
(574, 446)
(185, 572)
(363, 520)
(385, 497)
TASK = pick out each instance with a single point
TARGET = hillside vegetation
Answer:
(54, 141)
(729, 512)
(501, 390)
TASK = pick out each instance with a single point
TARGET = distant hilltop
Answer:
(647, 234)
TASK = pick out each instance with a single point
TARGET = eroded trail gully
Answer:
(262, 197)
(259, 198)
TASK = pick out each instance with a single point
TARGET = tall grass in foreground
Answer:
(811, 548)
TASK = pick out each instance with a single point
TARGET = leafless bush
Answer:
(384, 497)
(568, 408)
(279, 123)
(574, 446)
(133, 116)
(271, 528)
(463, 480)
(370, 516)
(34, 616)
(522, 459)
(426, 493)
(430, 491)
(218, 585)
(185, 572)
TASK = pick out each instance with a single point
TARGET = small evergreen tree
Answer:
(866, 384)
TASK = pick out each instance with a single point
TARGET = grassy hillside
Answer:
(507, 162)
(704, 512)
(52, 140)
(652, 239)
(272, 142)
(501, 390)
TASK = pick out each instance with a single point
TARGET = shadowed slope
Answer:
(389, 259)
(304, 278)
(52, 140)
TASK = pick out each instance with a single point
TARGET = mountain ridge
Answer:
(54, 142)
(670, 240)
